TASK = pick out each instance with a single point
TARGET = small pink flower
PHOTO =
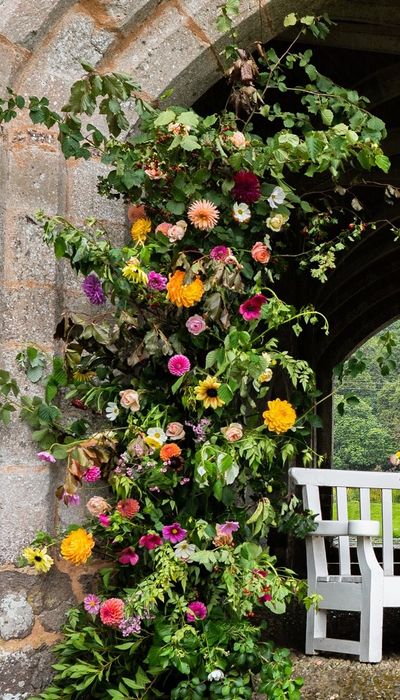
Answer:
(174, 533)
(220, 252)
(91, 603)
(227, 528)
(150, 541)
(128, 556)
(184, 481)
(104, 520)
(179, 365)
(163, 228)
(71, 499)
(92, 474)
(251, 309)
(156, 281)
(196, 324)
(196, 611)
(46, 457)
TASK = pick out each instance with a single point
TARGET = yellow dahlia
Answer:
(140, 229)
(83, 376)
(207, 392)
(77, 546)
(38, 558)
(182, 294)
(203, 214)
(280, 416)
(133, 272)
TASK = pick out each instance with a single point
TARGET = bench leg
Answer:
(371, 628)
(316, 628)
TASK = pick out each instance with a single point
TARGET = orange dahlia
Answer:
(182, 294)
(128, 507)
(169, 451)
(280, 416)
(203, 214)
(77, 546)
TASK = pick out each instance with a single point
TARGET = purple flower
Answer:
(184, 481)
(71, 499)
(179, 365)
(46, 457)
(128, 556)
(196, 324)
(93, 289)
(200, 429)
(220, 252)
(227, 528)
(132, 625)
(251, 309)
(92, 474)
(156, 281)
(92, 604)
(196, 611)
(174, 533)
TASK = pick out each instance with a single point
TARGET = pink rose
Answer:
(163, 228)
(196, 324)
(175, 431)
(260, 253)
(130, 399)
(177, 232)
(238, 140)
(233, 432)
(97, 506)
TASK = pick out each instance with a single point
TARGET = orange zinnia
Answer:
(169, 451)
(203, 214)
(128, 507)
(182, 294)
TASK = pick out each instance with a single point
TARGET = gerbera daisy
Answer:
(247, 187)
(207, 392)
(203, 214)
(140, 229)
(133, 272)
(38, 558)
(182, 294)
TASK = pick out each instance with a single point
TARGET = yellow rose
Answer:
(276, 222)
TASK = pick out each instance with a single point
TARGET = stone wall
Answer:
(163, 44)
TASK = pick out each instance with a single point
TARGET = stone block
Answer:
(16, 617)
(26, 505)
(118, 13)
(22, 21)
(29, 313)
(33, 675)
(83, 198)
(11, 59)
(34, 179)
(25, 255)
(58, 64)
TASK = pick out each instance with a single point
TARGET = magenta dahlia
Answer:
(179, 365)
(247, 187)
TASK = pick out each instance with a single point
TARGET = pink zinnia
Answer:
(227, 528)
(112, 612)
(91, 603)
(156, 281)
(179, 365)
(251, 309)
(196, 611)
(150, 541)
(92, 474)
(247, 187)
(174, 533)
(128, 556)
(196, 324)
(104, 520)
(220, 252)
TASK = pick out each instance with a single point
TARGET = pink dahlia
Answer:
(196, 611)
(92, 474)
(251, 309)
(150, 541)
(174, 533)
(112, 612)
(179, 365)
(247, 187)
(196, 324)
(91, 603)
(220, 252)
(156, 281)
(128, 556)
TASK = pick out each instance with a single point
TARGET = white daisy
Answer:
(184, 550)
(241, 213)
(276, 197)
(157, 434)
(112, 411)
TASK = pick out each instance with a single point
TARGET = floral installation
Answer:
(189, 402)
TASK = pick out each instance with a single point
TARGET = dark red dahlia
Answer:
(247, 187)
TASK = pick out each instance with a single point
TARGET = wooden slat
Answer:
(312, 500)
(352, 479)
(344, 542)
(387, 532)
(365, 504)
(342, 646)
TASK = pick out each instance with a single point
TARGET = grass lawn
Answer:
(376, 514)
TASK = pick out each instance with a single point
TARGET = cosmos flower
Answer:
(183, 550)
(93, 289)
(128, 556)
(276, 197)
(150, 541)
(203, 214)
(227, 528)
(174, 533)
(241, 213)
(251, 309)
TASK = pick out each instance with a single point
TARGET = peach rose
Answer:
(233, 432)
(97, 506)
(130, 399)
(177, 232)
(175, 431)
(260, 253)
(238, 140)
(163, 228)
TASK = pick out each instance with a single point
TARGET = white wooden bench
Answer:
(373, 586)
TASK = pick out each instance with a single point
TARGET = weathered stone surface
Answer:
(16, 616)
(83, 199)
(25, 672)
(119, 13)
(10, 59)
(26, 256)
(29, 313)
(34, 180)
(21, 21)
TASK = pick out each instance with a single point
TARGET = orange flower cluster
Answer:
(169, 451)
(77, 546)
(182, 294)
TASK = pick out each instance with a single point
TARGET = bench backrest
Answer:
(311, 480)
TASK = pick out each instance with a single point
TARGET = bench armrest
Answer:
(364, 528)
(352, 528)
